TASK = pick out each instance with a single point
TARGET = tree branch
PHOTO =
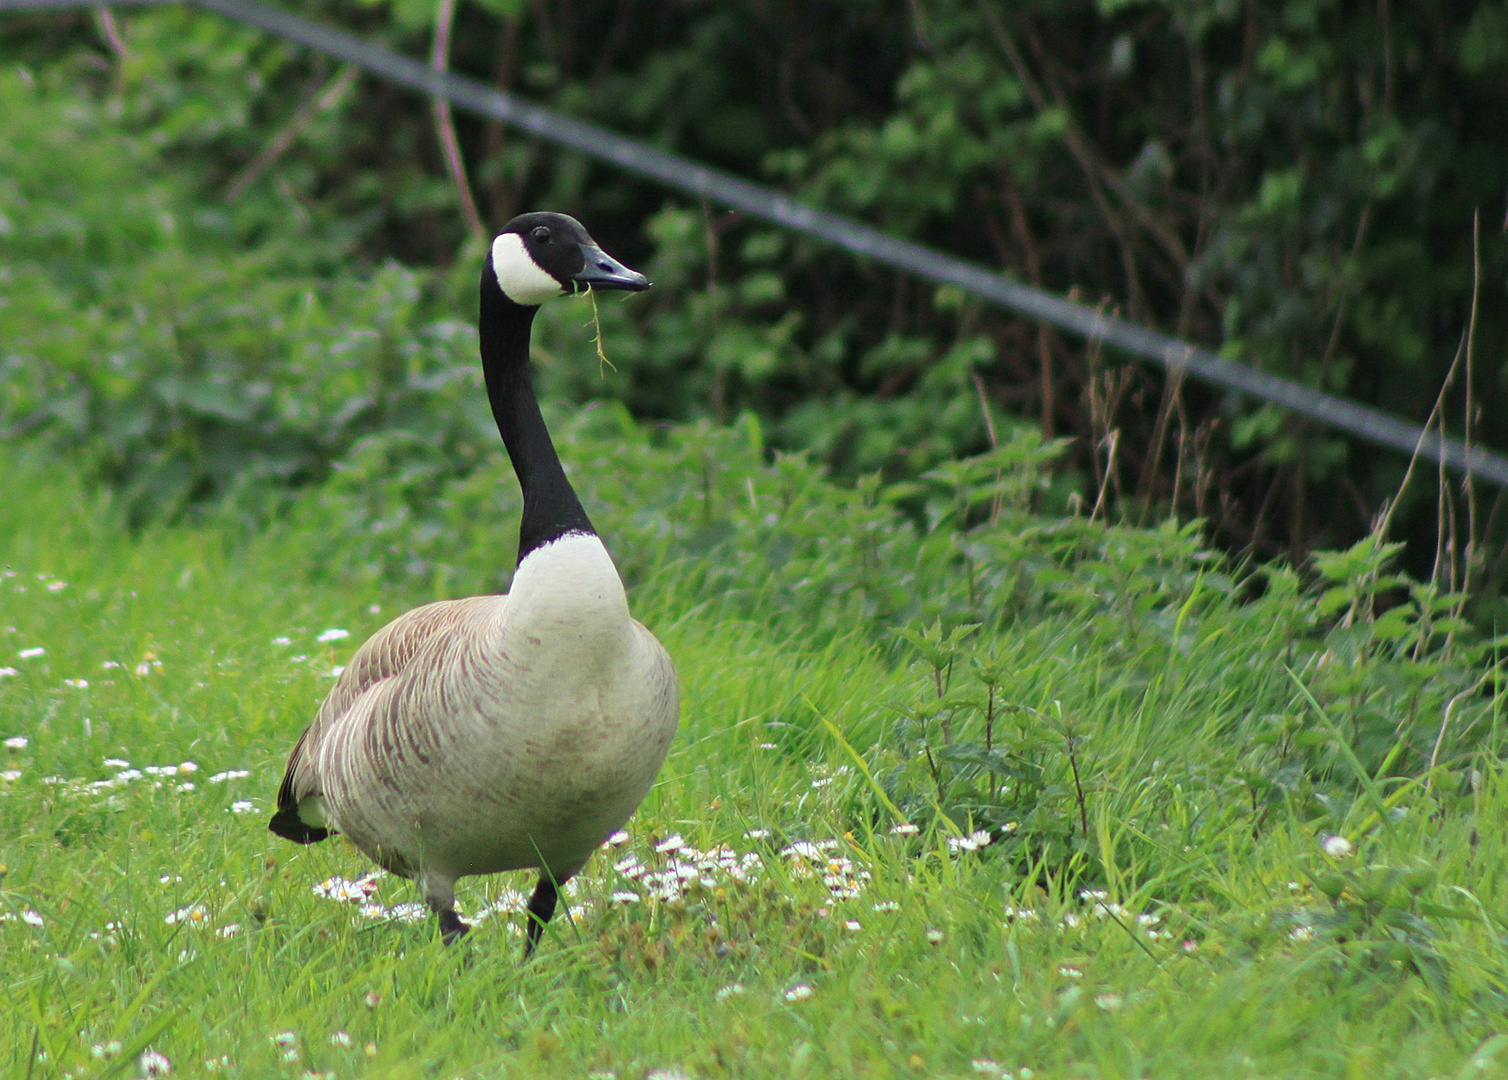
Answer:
(450, 146)
(303, 116)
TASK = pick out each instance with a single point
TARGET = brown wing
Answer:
(385, 654)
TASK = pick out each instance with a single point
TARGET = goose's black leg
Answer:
(541, 908)
(452, 929)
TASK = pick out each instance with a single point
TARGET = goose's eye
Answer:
(542, 235)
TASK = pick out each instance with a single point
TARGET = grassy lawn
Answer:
(1179, 930)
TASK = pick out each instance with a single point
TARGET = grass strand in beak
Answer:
(597, 328)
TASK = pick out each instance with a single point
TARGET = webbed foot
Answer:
(541, 908)
(452, 929)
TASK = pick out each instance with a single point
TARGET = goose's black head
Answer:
(541, 255)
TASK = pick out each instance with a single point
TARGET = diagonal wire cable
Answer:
(683, 174)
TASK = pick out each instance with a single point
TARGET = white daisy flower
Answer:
(629, 866)
(973, 842)
(343, 891)
(1337, 847)
(193, 915)
(333, 634)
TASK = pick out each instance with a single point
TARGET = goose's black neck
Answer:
(551, 508)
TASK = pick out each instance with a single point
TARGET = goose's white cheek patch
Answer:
(518, 275)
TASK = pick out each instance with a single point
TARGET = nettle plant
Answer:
(1390, 681)
(967, 758)
(1080, 738)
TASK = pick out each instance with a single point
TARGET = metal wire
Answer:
(688, 176)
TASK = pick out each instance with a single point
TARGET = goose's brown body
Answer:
(495, 732)
(499, 732)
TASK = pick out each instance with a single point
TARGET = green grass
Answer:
(1251, 969)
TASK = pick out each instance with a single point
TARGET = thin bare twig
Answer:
(1022, 228)
(1346, 291)
(322, 101)
(1106, 389)
(1434, 755)
(1434, 414)
(1078, 786)
(1469, 482)
(989, 427)
(450, 146)
(1111, 444)
(1172, 389)
(105, 20)
(984, 407)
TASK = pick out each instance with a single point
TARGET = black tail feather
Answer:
(287, 824)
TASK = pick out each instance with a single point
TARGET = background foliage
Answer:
(1294, 184)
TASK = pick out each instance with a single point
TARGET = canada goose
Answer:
(499, 732)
